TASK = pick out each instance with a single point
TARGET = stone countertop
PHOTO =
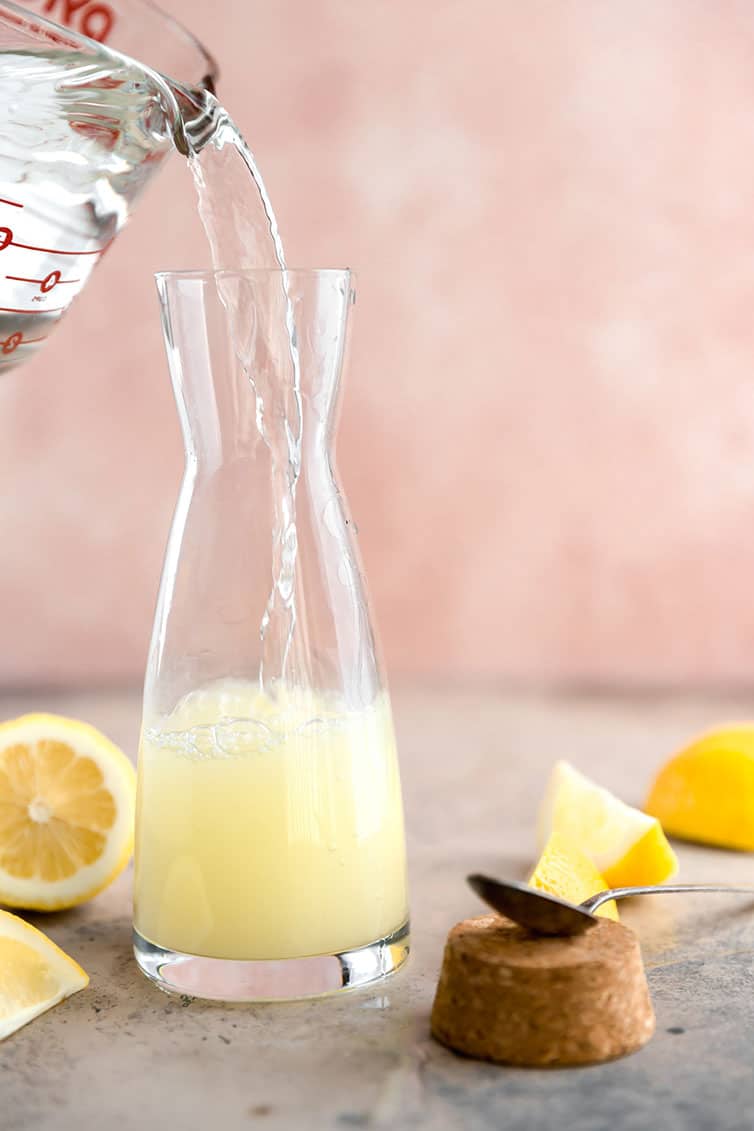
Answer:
(123, 1055)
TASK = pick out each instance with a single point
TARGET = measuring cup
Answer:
(90, 106)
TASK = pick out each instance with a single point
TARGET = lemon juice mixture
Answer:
(269, 828)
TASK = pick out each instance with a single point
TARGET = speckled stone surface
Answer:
(124, 1056)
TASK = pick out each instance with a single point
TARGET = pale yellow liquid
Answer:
(268, 830)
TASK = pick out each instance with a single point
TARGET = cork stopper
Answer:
(513, 997)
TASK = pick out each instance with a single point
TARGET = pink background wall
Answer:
(548, 435)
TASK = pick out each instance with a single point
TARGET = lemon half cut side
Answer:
(66, 812)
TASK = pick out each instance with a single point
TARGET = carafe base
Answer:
(289, 979)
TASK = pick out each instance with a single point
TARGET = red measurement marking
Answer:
(50, 250)
(106, 83)
(13, 203)
(97, 20)
(46, 284)
(39, 310)
(106, 136)
(37, 30)
(61, 281)
(12, 342)
(6, 240)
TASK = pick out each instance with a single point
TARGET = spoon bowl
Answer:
(549, 915)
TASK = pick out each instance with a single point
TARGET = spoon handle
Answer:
(601, 897)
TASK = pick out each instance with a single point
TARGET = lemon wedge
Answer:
(564, 870)
(66, 812)
(626, 846)
(706, 792)
(35, 974)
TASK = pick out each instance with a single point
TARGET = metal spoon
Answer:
(549, 915)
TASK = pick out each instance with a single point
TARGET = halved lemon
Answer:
(706, 792)
(564, 870)
(35, 974)
(627, 846)
(66, 812)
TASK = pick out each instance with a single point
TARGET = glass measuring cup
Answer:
(87, 115)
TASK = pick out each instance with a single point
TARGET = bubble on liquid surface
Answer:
(243, 736)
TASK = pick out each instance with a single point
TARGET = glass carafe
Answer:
(87, 115)
(270, 858)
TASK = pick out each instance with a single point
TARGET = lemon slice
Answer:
(706, 792)
(564, 870)
(35, 974)
(627, 846)
(66, 812)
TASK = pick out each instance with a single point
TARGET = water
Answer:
(234, 205)
(80, 137)
(230, 192)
